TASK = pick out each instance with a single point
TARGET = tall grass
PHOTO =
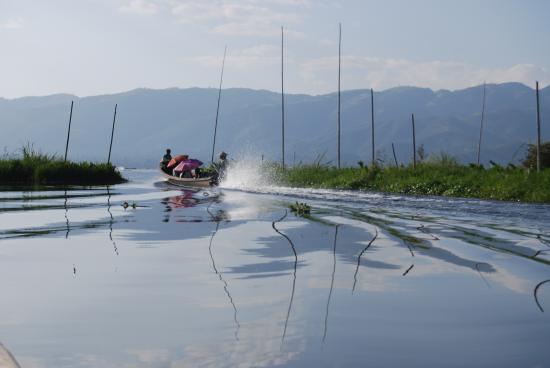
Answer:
(34, 167)
(441, 175)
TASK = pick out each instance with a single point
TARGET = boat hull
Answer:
(188, 182)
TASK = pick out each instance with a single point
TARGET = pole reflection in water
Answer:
(331, 281)
(218, 217)
(408, 270)
(543, 240)
(425, 230)
(66, 215)
(165, 277)
(68, 224)
(7, 360)
(480, 274)
(535, 293)
(359, 259)
(111, 220)
(294, 275)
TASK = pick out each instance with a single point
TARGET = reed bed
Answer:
(443, 177)
(35, 168)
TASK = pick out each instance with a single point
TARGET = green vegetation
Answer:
(440, 176)
(531, 159)
(35, 168)
(300, 209)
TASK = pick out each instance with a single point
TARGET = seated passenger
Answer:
(186, 174)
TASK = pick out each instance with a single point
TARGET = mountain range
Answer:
(148, 121)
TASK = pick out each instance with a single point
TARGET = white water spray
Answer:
(248, 172)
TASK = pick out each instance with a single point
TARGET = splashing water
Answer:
(248, 172)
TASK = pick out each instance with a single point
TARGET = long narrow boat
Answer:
(188, 182)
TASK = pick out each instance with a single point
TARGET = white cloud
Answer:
(140, 7)
(14, 23)
(258, 55)
(378, 73)
(228, 17)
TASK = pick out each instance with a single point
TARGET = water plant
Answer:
(441, 175)
(36, 168)
(300, 209)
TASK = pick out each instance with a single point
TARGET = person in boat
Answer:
(220, 166)
(166, 159)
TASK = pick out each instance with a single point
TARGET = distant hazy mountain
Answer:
(148, 121)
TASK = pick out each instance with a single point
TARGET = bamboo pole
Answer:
(218, 107)
(414, 143)
(339, 75)
(394, 155)
(372, 122)
(481, 124)
(282, 99)
(69, 131)
(112, 134)
(538, 128)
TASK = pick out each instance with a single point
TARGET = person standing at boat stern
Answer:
(221, 166)
(166, 159)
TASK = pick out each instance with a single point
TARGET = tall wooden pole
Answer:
(69, 131)
(372, 122)
(481, 124)
(218, 107)
(339, 74)
(282, 99)
(414, 144)
(538, 128)
(112, 134)
(394, 155)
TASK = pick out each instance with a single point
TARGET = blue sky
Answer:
(90, 47)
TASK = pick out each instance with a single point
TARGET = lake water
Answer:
(231, 278)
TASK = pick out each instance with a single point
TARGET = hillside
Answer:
(148, 121)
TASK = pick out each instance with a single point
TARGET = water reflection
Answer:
(7, 360)
(111, 220)
(535, 293)
(408, 270)
(66, 215)
(487, 268)
(175, 314)
(217, 217)
(359, 259)
(325, 330)
(293, 248)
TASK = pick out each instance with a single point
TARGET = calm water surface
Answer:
(231, 278)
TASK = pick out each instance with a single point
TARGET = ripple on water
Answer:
(233, 278)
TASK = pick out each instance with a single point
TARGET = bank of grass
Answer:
(442, 178)
(35, 168)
